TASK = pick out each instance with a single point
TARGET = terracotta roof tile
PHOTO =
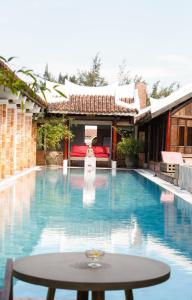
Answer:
(91, 105)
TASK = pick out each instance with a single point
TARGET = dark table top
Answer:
(71, 271)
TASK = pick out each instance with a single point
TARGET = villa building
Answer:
(17, 130)
(166, 125)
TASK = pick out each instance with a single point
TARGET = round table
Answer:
(71, 271)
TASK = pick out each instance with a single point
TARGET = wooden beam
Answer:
(114, 141)
(168, 132)
(183, 117)
(180, 106)
(65, 148)
(148, 143)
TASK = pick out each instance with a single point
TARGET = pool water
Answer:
(46, 211)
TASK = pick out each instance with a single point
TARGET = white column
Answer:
(65, 164)
(113, 164)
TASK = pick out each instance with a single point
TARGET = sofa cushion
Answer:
(79, 149)
(77, 154)
(102, 155)
(106, 149)
(98, 149)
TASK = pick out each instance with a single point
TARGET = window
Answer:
(189, 136)
(181, 135)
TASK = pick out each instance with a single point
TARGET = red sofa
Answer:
(78, 151)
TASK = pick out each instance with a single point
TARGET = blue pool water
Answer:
(46, 211)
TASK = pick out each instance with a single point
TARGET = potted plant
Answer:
(49, 136)
(129, 147)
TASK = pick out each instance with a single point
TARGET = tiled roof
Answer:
(100, 105)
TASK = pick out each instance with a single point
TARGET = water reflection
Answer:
(167, 196)
(178, 226)
(15, 209)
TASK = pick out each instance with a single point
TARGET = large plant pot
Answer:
(131, 161)
(51, 158)
(54, 158)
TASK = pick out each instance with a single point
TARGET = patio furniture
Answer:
(78, 152)
(71, 271)
(169, 167)
(6, 293)
(169, 160)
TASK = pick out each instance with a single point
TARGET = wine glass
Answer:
(94, 255)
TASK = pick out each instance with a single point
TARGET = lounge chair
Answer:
(170, 160)
(169, 167)
(172, 157)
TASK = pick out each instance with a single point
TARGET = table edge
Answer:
(99, 286)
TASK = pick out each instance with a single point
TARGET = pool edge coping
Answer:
(176, 190)
(5, 182)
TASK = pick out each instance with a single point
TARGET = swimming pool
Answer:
(46, 211)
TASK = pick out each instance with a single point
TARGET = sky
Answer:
(153, 36)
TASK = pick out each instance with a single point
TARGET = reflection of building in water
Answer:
(166, 196)
(88, 184)
(89, 179)
(88, 190)
(178, 224)
(15, 206)
(106, 234)
(130, 236)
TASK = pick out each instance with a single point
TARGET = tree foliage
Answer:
(129, 146)
(90, 77)
(48, 75)
(93, 76)
(62, 78)
(159, 91)
(125, 77)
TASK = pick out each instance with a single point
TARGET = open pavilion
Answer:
(109, 108)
